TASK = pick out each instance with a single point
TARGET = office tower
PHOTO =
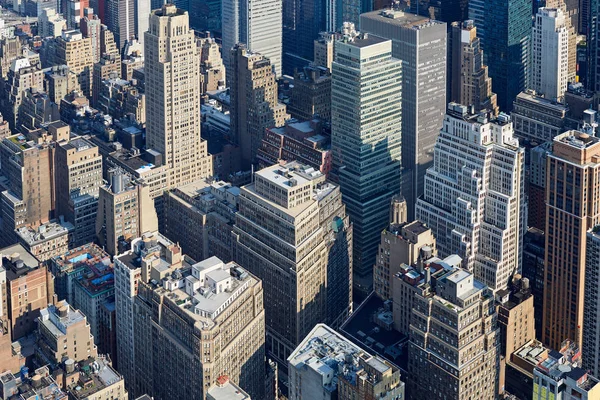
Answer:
(171, 71)
(423, 89)
(64, 333)
(455, 306)
(593, 47)
(91, 27)
(78, 179)
(306, 142)
(536, 190)
(74, 51)
(200, 216)
(571, 10)
(142, 11)
(323, 54)
(120, 20)
(125, 211)
(29, 198)
(124, 102)
(51, 24)
(537, 120)
(304, 259)
(506, 41)
(311, 95)
(29, 288)
(130, 63)
(258, 25)
(37, 109)
(559, 376)
(445, 11)
(24, 74)
(591, 308)
(550, 54)
(254, 103)
(570, 197)
(108, 65)
(402, 244)
(326, 365)
(73, 11)
(216, 295)
(47, 240)
(366, 139)
(474, 199)
(303, 20)
(211, 64)
(468, 78)
(10, 49)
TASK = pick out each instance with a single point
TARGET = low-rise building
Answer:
(91, 379)
(560, 376)
(48, 240)
(327, 366)
(537, 120)
(225, 389)
(39, 386)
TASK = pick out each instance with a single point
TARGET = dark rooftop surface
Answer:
(362, 330)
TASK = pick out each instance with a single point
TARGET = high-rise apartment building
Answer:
(421, 45)
(311, 95)
(125, 211)
(24, 74)
(78, 180)
(292, 232)
(328, 366)
(453, 345)
(107, 66)
(468, 78)
(51, 24)
(258, 24)
(571, 196)
(366, 126)
(505, 31)
(254, 103)
(474, 199)
(120, 20)
(211, 64)
(91, 27)
(550, 54)
(591, 308)
(323, 53)
(172, 68)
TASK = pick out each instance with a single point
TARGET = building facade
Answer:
(478, 167)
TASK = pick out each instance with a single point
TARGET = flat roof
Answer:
(401, 18)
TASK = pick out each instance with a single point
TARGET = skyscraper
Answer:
(254, 103)
(474, 199)
(550, 54)
(571, 210)
(441, 361)
(468, 78)
(303, 20)
(505, 31)
(292, 232)
(120, 20)
(172, 68)
(255, 23)
(421, 45)
(591, 308)
(366, 94)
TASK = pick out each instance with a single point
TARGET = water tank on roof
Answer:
(69, 366)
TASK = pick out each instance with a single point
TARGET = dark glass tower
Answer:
(506, 45)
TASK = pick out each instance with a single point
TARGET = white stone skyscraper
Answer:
(257, 24)
(172, 69)
(366, 126)
(550, 53)
(474, 195)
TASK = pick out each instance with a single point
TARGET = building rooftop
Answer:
(17, 261)
(531, 97)
(94, 375)
(363, 40)
(401, 18)
(577, 139)
(224, 389)
(57, 320)
(331, 355)
(97, 279)
(44, 232)
(89, 255)
(39, 386)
